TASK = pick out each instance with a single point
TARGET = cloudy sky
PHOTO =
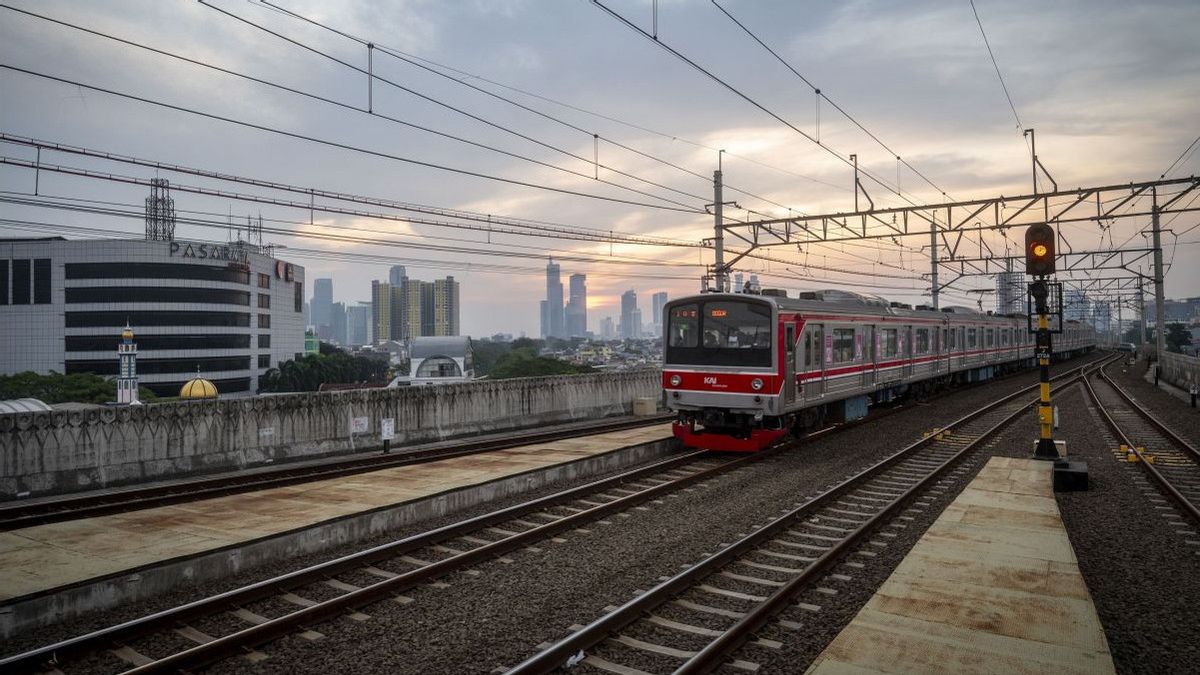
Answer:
(1113, 90)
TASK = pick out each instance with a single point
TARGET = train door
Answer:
(905, 349)
(789, 368)
(814, 361)
(962, 346)
(865, 346)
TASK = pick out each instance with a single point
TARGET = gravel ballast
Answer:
(497, 618)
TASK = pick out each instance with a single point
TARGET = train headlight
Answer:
(756, 384)
(676, 380)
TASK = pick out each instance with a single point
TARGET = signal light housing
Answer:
(1039, 250)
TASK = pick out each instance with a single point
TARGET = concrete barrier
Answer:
(1179, 369)
(64, 451)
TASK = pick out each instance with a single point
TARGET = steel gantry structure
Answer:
(955, 233)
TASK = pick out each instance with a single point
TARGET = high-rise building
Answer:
(607, 330)
(381, 311)
(397, 275)
(1010, 293)
(445, 307)
(738, 286)
(358, 323)
(658, 301)
(337, 323)
(576, 313)
(553, 324)
(322, 301)
(629, 327)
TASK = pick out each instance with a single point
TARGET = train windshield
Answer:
(720, 333)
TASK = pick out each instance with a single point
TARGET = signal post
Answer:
(1039, 263)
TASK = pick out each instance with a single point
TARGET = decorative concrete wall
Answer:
(1179, 369)
(64, 451)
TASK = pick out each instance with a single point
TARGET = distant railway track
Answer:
(781, 559)
(1170, 460)
(362, 578)
(17, 514)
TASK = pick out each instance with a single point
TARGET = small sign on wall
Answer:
(387, 428)
(266, 432)
(359, 425)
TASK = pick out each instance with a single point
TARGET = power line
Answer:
(372, 113)
(432, 66)
(879, 181)
(339, 145)
(1180, 157)
(494, 223)
(996, 66)
(820, 92)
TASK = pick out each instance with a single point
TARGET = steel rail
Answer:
(269, 587)
(713, 655)
(1163, 482)
(16, 515)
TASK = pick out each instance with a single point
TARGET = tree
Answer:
(486, 354)
(313, 370)
(1177, 337)
(525, 362)
(59, 388)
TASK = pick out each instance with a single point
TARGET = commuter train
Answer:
(741, 371)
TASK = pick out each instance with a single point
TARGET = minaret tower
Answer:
(127, 381)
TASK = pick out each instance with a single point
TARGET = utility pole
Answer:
(718, 231)
(1160, 333)
(1141, 301)
(1040, 264)
(933, 262)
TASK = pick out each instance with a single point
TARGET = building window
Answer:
(298, 298)
(20, 282)
(264, 301)
(264, 341)
(843, 345)
(264, 360)
(108, 343)
(161, 366)
(149, 270)
(264, 320)
(264, 280)
(124, 294)
(144, 319)
(41, 281)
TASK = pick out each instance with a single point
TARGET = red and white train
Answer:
(742, 370)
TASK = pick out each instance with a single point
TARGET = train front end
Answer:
(722, 373)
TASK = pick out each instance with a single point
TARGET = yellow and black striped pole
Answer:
(1045, 446)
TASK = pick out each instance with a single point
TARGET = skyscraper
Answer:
(630, 327)
(397, 275)
(445, 306)
(322, 301)
(607, 331)
(337, 323)
(658, 301)
(552, 319)
(576, 314)
(381, 311)
(358, 323)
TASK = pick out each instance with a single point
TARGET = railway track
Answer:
(1170, 460)
(285, 604)
(18, 514)
(698, 620)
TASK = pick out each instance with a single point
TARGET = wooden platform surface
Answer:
(992, 587)
(38, 558)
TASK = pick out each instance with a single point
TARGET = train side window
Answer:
(921, 346)
(790, 332)
(971, 338)
(887, 343)
(843, 345)
(818, 346)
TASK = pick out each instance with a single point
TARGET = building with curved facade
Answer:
(230, 310)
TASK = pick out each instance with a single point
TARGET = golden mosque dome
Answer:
(197, 388)
(127, 334)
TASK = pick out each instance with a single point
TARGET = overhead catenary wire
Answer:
(374, 112)
(436, 67)
(336, 144)
(825, 96)
(740, 94)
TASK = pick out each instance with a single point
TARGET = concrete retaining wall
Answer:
(61, 451)
(1180, 370)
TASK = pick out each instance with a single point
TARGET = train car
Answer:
(741, 371)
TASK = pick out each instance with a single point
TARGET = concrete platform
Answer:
(992, 587)
(37, 560)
